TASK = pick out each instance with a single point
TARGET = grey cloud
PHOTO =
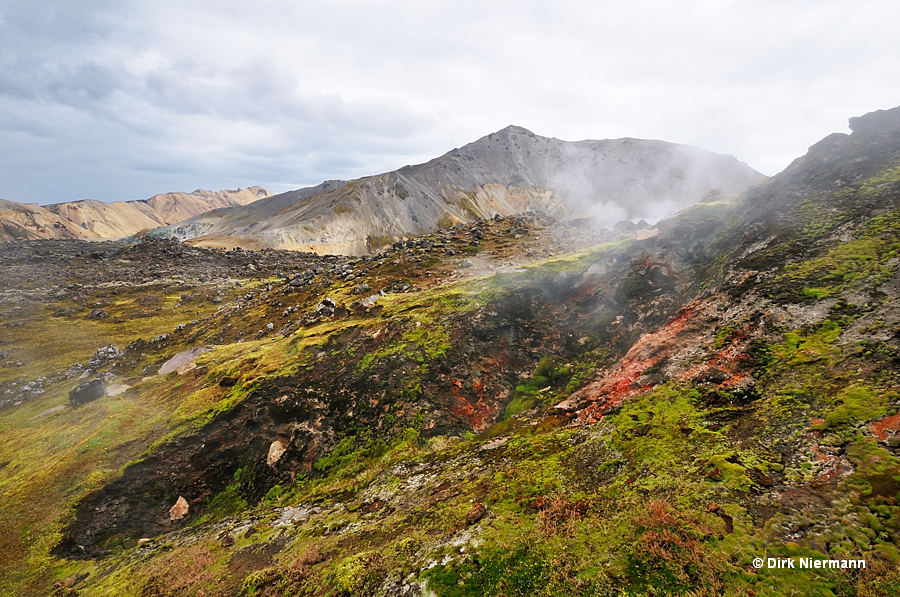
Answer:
(57, 22)
(285, 93)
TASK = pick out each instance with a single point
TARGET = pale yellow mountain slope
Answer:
(96, 219)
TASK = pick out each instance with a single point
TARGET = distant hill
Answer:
(88, 220)
(508, 172)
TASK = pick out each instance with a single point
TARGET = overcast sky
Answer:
(121, 99)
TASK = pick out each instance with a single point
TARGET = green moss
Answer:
(344, 452)
(358, 573)
(867, 258)
(521, 403)
(549, 374)
(797, 349)
(857, 404)
(231, 500)
(817, 293)
(523, 570)
(665, 427)
(888, 552)
(734, 475)
(275, 493)
(428, 342)
(877, 471)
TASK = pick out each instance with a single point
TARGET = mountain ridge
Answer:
(90, 220)
(506, 172)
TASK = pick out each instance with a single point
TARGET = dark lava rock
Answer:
(625, 226)
(86, 392)
(715, 375)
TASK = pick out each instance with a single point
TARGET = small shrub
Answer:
(666, 553)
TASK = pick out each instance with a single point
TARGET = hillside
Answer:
(597, 183)
(514, 406)
(88, 220)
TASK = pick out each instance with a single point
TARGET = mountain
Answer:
(508, 172)
(96, 219)
(512, 406)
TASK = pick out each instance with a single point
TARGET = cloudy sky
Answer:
(122, 99)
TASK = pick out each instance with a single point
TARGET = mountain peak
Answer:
(515, 129)
(507, 172)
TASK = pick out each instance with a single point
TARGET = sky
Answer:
(121, 99)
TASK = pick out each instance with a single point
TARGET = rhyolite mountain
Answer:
(507, 172)
(511, 406)
(90, 219)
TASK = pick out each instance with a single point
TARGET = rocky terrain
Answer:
(597, 183)
(515, 405)
(88, 220)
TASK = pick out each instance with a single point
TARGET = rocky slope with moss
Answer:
(514, 406)
(504, 173)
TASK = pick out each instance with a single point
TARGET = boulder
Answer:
(276, 451)
(179, 510)
(86, 392)
(185, 369)
(116, 389)
(182, 361)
